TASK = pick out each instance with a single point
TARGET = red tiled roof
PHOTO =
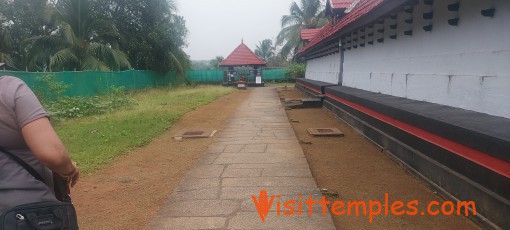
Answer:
(362, 8)
(341, 4)
(241, 56)
(307, 34)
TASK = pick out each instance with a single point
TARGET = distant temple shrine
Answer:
(242, 65)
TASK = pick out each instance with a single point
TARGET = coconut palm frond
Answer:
(6, 59)
(5, 45)
(305, 15)
(46, 40)
(115, 59)
(265, 49)
(172, 5)
(122, 59)
(290, 20)
(286, 33)
(63, 57)
(90, 63)
(69, 35)
(176, 63)
(296, 10)
(39, 60)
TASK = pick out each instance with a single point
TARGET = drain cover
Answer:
(196, 134)
(193, 133)
(325, 132)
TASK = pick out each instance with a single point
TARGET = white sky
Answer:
(216, 27)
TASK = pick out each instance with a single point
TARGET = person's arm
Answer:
(46, 146)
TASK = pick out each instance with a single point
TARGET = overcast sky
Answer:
(216, 27)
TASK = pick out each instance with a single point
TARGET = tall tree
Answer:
(21, 20)
(82, 40)
(153, 36)
(307, 15)
(265, 49)
(214, 63)
(5, 47)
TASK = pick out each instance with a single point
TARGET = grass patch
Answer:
(96, 140)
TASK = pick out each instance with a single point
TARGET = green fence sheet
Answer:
(89, 83)
(216, 76)
(274, 74)
(205, 76)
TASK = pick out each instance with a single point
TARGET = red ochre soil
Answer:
(127, 193)
(357, 170)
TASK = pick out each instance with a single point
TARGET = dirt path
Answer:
(128, 192)
(358, 171)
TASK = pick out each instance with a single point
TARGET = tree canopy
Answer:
(93, 34)
(265, 49)
(308, 14)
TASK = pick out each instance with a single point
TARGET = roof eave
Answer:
(385, 8)
(234, 65)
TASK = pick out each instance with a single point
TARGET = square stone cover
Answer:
(325, 132)
(196, 133)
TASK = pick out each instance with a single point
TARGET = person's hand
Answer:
(73, 176)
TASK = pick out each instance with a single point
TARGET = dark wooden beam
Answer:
(330, 46)
(324, 53)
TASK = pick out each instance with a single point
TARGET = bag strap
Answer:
(23, 164)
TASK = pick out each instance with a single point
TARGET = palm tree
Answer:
(265, 49)
(81, 40)
(5, 45)
(307, 15)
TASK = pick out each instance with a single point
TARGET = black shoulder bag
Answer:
(44, 215)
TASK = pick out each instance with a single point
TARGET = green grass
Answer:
(96, 140)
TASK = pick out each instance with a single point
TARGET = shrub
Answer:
(72, 107)
(48, 88)
(51, 94)
(295, 70)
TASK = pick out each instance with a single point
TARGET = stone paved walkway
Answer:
(257, 149)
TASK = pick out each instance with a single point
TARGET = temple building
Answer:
(429, 82)
(243, 65)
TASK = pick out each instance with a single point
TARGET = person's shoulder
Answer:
(11, 80)
(11, 85)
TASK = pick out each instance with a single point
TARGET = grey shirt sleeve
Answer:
(18, 107)
(26, 105)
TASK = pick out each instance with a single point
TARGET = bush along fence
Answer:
(90, 83)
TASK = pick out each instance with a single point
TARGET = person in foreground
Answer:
(25, 130)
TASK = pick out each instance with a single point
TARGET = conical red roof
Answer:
(242, 56)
